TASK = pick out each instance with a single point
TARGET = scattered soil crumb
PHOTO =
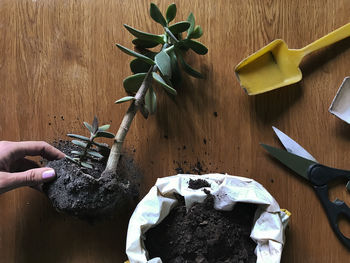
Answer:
(197, 184)
(204, 235)
(198, 169)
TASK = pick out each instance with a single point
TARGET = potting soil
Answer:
(203, 234)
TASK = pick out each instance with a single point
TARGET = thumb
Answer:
(33, 177)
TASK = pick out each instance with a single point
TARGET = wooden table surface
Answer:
(59, 66)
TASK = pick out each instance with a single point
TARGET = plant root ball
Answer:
(85, 194)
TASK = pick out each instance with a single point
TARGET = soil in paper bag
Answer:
(204, 235)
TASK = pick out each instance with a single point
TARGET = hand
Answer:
(17, 171)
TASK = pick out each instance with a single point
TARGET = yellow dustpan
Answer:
(275, 65)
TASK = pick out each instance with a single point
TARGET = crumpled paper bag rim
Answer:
(269, 222)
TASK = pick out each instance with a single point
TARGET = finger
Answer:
(23, 165)
(34, 148)
(33, 177)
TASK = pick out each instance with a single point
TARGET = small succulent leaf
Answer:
(151, 101)
(77, 153)
(125, 99)
(94, 125)
(80, 137)
(132, 83)
(159, 79)
(88, 126)
(86, 165)
(157, 15)
(79, 143)
(135, 54)
(197, 47)
(100, 145)
(141, 43)
(189, 70)
(139, 66)
(71, 159)
(104, 127)
(145, 36)
(95, 154)
(170, 13)
(105, 134)
(179, 27)
(162, 60)
(77, 160)
(144, 111)
(175, 70)
(196, 33)
(191, 20)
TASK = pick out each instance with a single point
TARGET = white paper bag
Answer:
(269, 225)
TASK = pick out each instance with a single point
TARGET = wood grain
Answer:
(59, 66)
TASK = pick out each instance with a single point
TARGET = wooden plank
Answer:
(59, 66)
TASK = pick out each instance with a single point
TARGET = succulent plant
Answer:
(90, 150)
(165, 64)
(162, 66)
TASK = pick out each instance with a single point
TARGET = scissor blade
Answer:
(298, 164)
(292, 146)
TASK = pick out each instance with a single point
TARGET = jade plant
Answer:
(158, 59)
(161, 66)
(94, 187)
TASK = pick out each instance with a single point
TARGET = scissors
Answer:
(303, 163)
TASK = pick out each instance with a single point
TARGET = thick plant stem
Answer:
(137, 104)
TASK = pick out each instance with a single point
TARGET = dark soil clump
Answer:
(198, 184)
(84, 193)
(204, 235)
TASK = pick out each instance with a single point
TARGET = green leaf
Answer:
(162, 60)
(159, 79)
(101, 145)
(95, 154)
(144, 43)
(88, 126)
(125, 99)
(197, 47)
(196, 33)
(189, 70)
(191, 20)
(94, 125)
(151, 101)
(79, 143)
(175, 70)
(74, 160)
(170, 13)
(139, 66)
(145, 36)
(157, 15)
(105, 134)
(80, 137)
(77, 153)
(132, 83)
(179, 27)
(104, 127)
(135, 54)
(86, 165)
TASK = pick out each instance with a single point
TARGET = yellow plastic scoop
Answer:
(275, 65)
